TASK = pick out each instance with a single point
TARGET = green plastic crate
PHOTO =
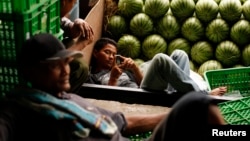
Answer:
(59, 35)
(15, 28)
(19, 24)
(236, 112)
(8, 77)
(19, 6)
(237, 80)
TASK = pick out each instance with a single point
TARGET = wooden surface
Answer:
(95, 19)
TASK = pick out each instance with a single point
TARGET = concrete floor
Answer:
(129, 109)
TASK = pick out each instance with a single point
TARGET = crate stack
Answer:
(236, 112)
(19, 20)
(237, 80)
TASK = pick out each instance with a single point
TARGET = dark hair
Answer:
(100, 43)
(104, 41)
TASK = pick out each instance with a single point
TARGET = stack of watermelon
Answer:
(214, 33)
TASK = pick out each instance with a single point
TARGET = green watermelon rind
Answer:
(201, 52)
(168, 27)
(141, 25)
(228, 53)
(240, 32)
(206, 10)
(209, 65)
(230, 10)
(129, 46)
(117, 26)
(182, 9)
(217, 30)
(179, 43)
(246, 10)
(153, 44)
(156, 8)
(246, 55)
(192, 29)
(128, 8)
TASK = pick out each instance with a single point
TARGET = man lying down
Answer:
(162, 73)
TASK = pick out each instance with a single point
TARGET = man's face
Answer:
(105, 57)
(53, 76)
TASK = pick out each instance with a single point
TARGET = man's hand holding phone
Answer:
(125, 63)
(118, 59)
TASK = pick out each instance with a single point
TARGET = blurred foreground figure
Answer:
(43, 111)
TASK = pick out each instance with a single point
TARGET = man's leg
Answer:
(182, 60)
(163, 71)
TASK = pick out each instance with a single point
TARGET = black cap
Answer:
(44, 47)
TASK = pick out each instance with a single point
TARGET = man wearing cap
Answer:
(41, 110)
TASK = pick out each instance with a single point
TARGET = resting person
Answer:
(78, 34)
(171, 73)
(43, 111)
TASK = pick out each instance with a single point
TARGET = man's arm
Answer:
(142, 123)
(80, 43)
(129, 64)
(77, 28)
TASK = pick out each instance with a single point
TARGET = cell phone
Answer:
(118, 59)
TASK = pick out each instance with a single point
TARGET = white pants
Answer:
(170, 73)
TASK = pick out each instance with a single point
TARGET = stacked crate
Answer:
(236, 112)
(237, 80)
(19, 20)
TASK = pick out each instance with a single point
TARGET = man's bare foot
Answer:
(218, 91)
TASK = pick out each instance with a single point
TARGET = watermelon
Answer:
(217, 1)
(238, 66)
(179, 43)
(217, 30)
(246, 55)
(230, 10)
(192, 29)
(243, 1)
(228, 53)
(152, 45)
(240, 32)
(201, 52)
(182, 9)
(129, 46)
(206, 10)
(128, 8)
(193, 66)
(141, 25)
(168, 27)
(209, 65)
(246, 10)
(138, 61)
(117, 26)
(156, 8)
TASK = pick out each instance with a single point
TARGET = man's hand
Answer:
(127, 64)
(81, 28)
(114, 75)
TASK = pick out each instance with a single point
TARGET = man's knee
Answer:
(179, 52)
(160, 57)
